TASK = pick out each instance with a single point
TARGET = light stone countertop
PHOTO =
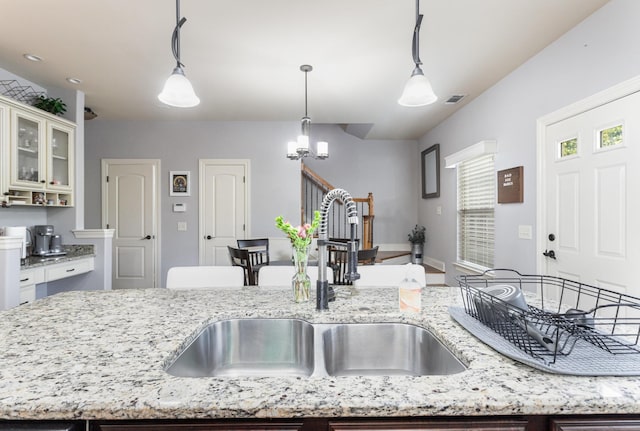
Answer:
(100, 355)
(74, 252)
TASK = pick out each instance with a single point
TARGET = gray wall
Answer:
(386, 168)
(595, 55)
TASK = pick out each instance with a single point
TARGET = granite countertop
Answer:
(74, 252)
(100, 355)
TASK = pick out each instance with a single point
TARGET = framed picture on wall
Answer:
(431, 172)
(179, 183)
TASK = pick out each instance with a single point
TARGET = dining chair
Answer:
(203, 277)
(258, 253)
(367, 256)
(280, 276)
(389, 275)
(240, 257)
(338, 261)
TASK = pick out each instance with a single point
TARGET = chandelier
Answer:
(299, 149)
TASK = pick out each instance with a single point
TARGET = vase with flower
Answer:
(300, 237)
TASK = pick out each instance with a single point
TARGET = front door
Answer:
(130, 206)
(592, 196)
(223, 208)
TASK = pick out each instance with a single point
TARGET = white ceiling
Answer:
(243, 57)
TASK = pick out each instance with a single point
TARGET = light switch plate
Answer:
(525, 231)
(182, 226)
(439, 210)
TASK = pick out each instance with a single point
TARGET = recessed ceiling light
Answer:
(74, 80)
(32, 57)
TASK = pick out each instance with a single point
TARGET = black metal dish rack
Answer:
(560, 313)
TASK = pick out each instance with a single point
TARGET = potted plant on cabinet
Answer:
(417, 238)
(55, 106)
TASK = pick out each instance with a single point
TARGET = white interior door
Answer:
(130, 206)
(592, 196)
(223, 208)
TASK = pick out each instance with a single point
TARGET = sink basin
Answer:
(249, 347)
(387, 349)
(293, 347)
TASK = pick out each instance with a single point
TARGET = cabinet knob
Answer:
(42, 181)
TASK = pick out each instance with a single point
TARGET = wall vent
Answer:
(454, 99)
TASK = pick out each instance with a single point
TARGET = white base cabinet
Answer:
(68, 269)
(29, 278)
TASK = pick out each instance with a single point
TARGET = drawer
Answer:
(27, 294)
(63, 270)
(31, 276)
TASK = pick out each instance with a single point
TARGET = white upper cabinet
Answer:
(40, 149)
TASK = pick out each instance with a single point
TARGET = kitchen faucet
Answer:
(322, 287)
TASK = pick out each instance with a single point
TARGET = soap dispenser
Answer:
(409, 293)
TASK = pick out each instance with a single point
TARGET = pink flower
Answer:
(302, 232)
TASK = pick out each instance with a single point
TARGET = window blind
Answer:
(476, 201)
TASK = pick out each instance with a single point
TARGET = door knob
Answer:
(208, 237)
(147, 237)
(549, 253)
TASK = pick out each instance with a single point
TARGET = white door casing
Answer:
(224, 207)
(590, 201)
(130, 206)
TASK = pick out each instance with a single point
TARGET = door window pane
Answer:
(569, 147)
(610, 137)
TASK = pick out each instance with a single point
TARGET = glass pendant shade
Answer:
(323, 150)
(292, 150)
(178, 91)
(417, 91)
(303, 143)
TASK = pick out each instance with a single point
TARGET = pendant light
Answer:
(178, 91)
(300, 148)
(417, 91)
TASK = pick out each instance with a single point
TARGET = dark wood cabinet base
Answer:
(502, 423)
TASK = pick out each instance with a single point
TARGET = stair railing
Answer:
(313, 189)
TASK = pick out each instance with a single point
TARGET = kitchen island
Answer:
(101, 355)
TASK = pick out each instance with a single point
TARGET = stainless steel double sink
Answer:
(294, 347)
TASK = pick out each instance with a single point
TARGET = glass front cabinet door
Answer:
(60, 156)
(27, 150)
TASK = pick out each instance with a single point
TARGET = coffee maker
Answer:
(45, 243)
